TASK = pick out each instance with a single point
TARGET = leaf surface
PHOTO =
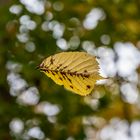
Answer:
(77, 71)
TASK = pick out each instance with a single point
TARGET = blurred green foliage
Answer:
(121, 23)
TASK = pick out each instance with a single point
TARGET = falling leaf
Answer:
(77, 71)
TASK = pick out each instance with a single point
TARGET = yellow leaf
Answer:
(77, 71)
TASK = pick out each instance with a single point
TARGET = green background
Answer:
(75, 117)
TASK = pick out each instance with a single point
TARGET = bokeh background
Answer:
(32, 106)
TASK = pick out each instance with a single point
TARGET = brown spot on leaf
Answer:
(56, 71)
(78, 74)
(70, 74)
(85, 75)
(85, 71)
(65, 67)
(60, 78)
(64, 76)
(75, 72)
(61, 69)
(58, 66)
(52, 60)
(68, 71)
(69, 79)
(52, 73)
(71, 86)
(88, 86)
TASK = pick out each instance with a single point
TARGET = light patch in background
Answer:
(52, 23)
(116, 130)
(14, 67)
(16, 126)
(58, 30)
(36, 133)
(93, 103)
(130, 92)
(135, 130)
(23, 19)
(45, 26)
(62, 44)
(29, 96)
(90, 133)
(89, 47)
(128, 58)
(73, 24)
(106, 60)
(123, 60)
(32, 122)
(120, 130)
(133, 78)
(30, 47)
(105, 39)
(58, 6)
(34, 6)
(98, 122)
(16, 83)
(48, 16)
(27, 22)
(15, 9)
(93, 17)
(23, 29)
(54, 26)
(47, 108)
(18, 86)
(74, 42)
(70, 138)
(52, 119)
(23, 37)
(31, 25)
